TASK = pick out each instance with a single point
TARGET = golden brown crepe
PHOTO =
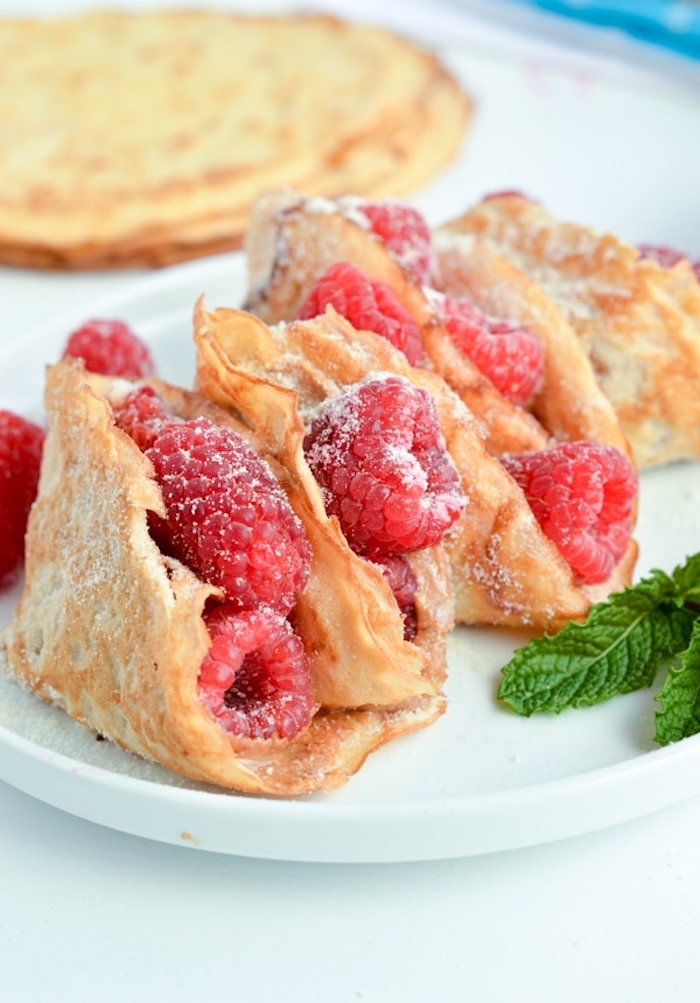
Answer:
(504, 570)
(637, 322)
(570, 403)
(142, 137)
(111, 629)
(292, 239)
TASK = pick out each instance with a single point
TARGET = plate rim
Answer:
(310, 825)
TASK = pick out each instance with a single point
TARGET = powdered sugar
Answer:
(378, 453)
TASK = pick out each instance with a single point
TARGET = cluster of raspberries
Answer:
(228, 520)
(581, 493)
(510, 356)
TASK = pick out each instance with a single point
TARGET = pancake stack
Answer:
(131, 139)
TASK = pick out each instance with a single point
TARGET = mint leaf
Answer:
(679, 697)
(619, 648)
(686, 581)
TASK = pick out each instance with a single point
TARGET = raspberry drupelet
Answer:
(21, 444)
(110, 347)
(583, 496)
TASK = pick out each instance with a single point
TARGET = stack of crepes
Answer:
(142, 138)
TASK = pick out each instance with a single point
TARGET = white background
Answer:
(91, 914)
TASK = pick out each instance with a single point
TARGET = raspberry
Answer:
(368, 305)
(21, 443)
(510, 356)
(111, 348)
(582, 495)
(227, 517)
(402, 582)
(378, 453)
(666, 257)
(255, 679)
(141, 415)
(405, 232)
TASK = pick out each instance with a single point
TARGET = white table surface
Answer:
(91, 914)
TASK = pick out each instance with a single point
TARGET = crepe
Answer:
(142, 138)
(637, 322)
(110, 628)
(292, 239)
(570, 403)
(504, 569)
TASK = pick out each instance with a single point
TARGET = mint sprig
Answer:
(620, 647)
(679, 697)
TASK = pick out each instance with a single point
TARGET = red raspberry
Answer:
(666, 257)
(405, 232)
(511, 357)
(227, 517)
(110, 347)
(378, 453)
(582, 495)
(255, 679)
(402, 582)
(141, 415)
(368, 305)
(21, 443)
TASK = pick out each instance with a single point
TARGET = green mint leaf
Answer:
(679, 697)
(686, 581)
(619, 648)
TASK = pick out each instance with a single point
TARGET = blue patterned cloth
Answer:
(674, 24)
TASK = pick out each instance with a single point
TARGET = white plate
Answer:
(480, 779)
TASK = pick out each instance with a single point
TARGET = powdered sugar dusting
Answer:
(378, 453)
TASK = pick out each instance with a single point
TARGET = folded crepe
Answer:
(637, 322)
(504, 569)
(570, 403)
(291, 240)
(111, 628)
